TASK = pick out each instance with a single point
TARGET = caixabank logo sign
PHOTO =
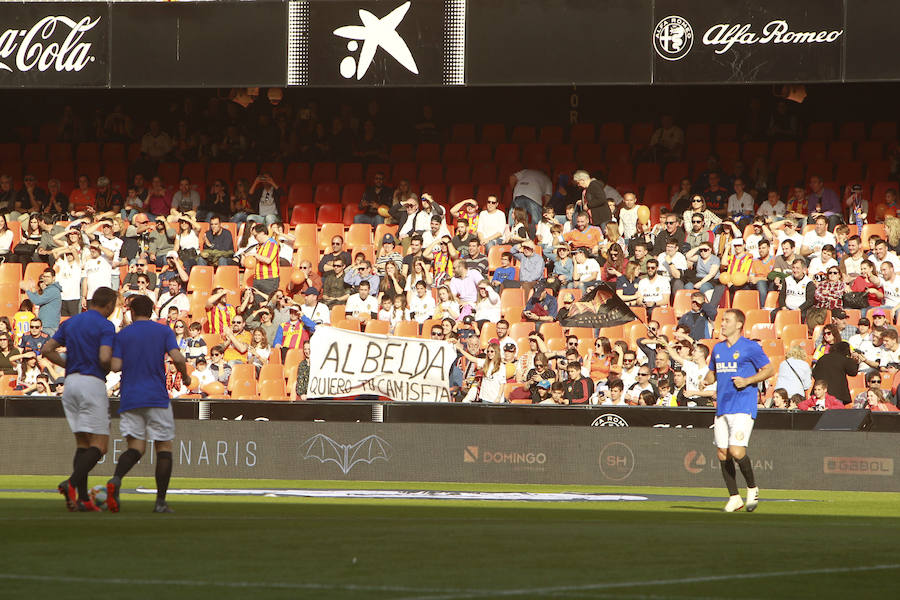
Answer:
(746, 41)
(377, 42)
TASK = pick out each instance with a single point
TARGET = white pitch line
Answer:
(227, 584)
(658, 582)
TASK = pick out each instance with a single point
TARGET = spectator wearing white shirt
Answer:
(818, 237)
(312, 309)
(68, 276)
(491, 224)
(890, 283)
(761, 232)
(672, 265)
(628, 214)
(531, 190)
(97, 273)
(362, 305)
(785, 230)
(881, 255)
(487, 306)
(173, 296)
(421, 303)
(821, 263)
(773, 207)
(654, 290)
(585, 271)
(740, 204)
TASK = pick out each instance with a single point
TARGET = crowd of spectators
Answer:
(493, 277)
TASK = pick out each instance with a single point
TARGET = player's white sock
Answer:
(752, 498)
(734, 503)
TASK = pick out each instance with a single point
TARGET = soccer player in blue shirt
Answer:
(736, 365)
(88, 339)
(145, 410)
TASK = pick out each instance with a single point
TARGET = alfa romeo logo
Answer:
(673, 38)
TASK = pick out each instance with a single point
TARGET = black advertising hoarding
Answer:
(547, 42)
(872, 40)
(377, 43)
(201, 44)
(54, 44)
(747, 41)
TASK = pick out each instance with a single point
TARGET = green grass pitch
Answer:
(843, 545)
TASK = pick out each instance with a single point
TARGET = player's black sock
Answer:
(83, 466)
(128, 459)
(747, 470)
(163, 474)
(728, 474)
(78, 452)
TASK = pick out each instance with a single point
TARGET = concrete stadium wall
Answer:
(475, 453)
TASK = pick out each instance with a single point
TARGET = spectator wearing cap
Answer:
(172, 268)
(542, 306)
(110, 247)
(863, 335)
(314, 310)
(531, 264)
(201, 375)
(293, 332)
(387, 253)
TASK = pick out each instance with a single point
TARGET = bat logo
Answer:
(367, 450)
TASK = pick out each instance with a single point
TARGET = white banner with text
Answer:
(346, 363)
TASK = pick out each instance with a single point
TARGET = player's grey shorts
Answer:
(86, 404)
(148, 424)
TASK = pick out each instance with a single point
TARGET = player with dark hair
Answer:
(88, 339)
(145, 409)
(736, 365)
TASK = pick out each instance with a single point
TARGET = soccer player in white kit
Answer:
(736, 365)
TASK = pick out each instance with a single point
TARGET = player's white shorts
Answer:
(149, 423)
(86, 404)
(733, 430)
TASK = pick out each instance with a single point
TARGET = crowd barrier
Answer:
(474, 454)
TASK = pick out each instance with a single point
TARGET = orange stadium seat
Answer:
(272, 390)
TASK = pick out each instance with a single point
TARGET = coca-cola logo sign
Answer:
(54, 43)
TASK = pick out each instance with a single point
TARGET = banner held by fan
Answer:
(347, 363)
(599, 307)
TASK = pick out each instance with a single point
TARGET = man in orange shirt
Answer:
(267, 276)
(760, 269)
(82, 196)
(585, 235)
